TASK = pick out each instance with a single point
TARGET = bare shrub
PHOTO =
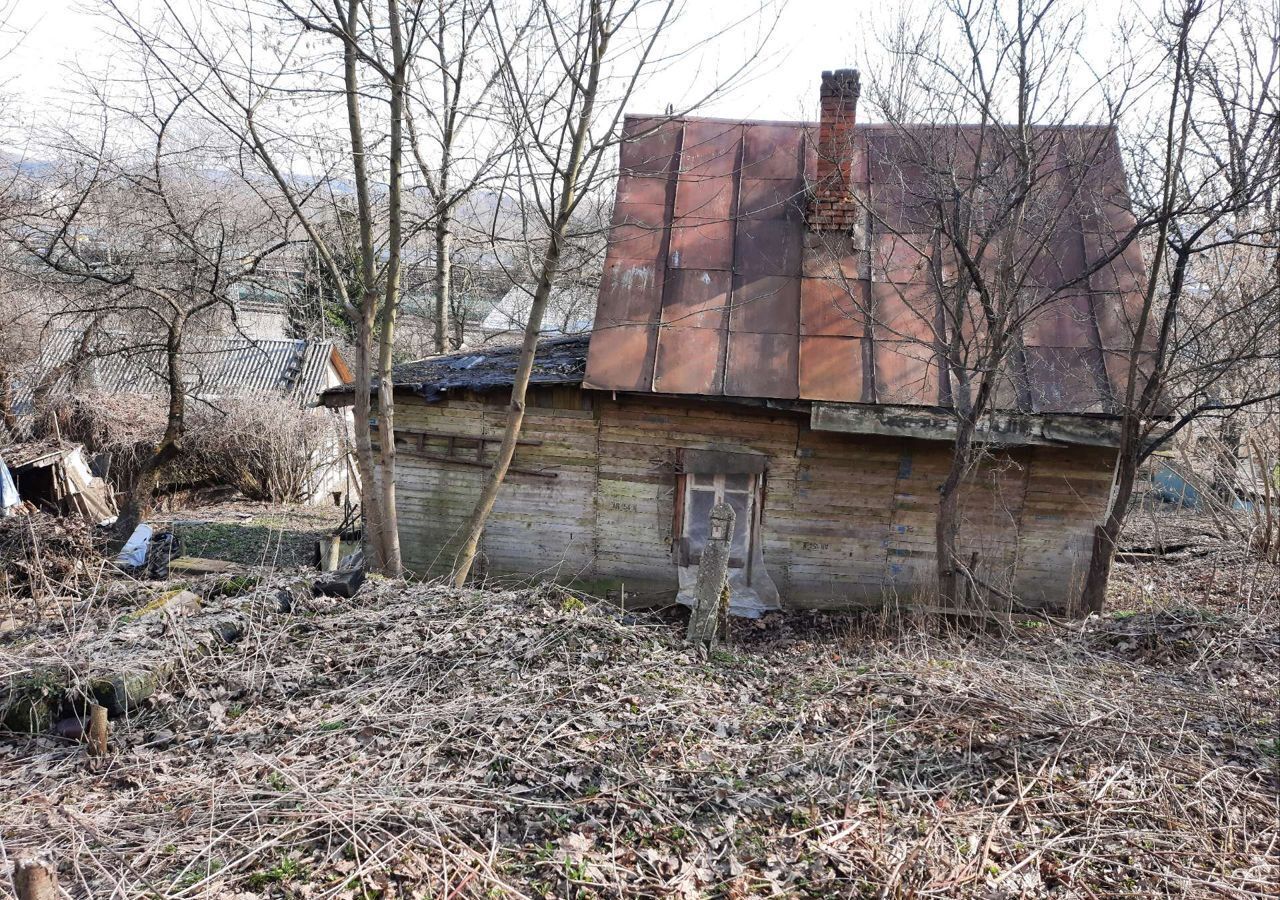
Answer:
(124, 426)
(263, 445)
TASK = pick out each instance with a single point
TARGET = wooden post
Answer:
(713, 571)
(97, 731)
(34, 880)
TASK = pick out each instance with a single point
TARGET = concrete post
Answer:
(713, 570)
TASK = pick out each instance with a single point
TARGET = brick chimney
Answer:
(833, 207)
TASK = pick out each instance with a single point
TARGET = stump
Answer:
(97, 731)
(34, 880)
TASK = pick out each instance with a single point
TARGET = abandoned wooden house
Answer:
(732, 359)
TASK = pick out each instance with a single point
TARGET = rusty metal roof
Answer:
(713, 285)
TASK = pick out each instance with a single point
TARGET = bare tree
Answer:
(1207, 175)
(972, 212)
(144, 249)
(458, 138)
(563, 96)
(250, 69)
(19, 315)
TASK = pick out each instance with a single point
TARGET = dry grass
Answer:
(420, 741)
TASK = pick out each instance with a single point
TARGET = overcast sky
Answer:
(811, 35)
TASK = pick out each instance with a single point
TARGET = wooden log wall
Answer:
(847, 520)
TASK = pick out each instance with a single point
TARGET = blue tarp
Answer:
(1171, 487)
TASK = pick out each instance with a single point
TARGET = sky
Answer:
(810, 35)
(60, 33)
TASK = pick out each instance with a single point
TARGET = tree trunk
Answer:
(142, 492)
(1134, 408)
(515, 415)
(391, 563)
(567, 203)
(138, 501)
(947, 524)
(1093, 596)
(444, 278)
(362, 412)
(947, 530)
(376, 522)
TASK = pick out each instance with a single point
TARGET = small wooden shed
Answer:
(614, 488)
(722, 366)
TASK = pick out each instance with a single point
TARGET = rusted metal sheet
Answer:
(1063, 321)
(766, 304)
(772, 198)
(645, 189)
(1009, 395)
(688, 360)
(900, 208)
(906, 373)
(701, 244)
(696, 298)
(1117, 316)
(1064, 379)
(638, 231)
(1055, 259)
(1094, 166)
(762, 365)
(621, 357)
(834, 306)
(831, 368)
(630, 292)
(768, 247)
(1117, 366)
(649, 146)
(704, 198)
(901, 258)
(904, 312)
(772, 151)
(709, 238)
(711, 149)
(1124, 273)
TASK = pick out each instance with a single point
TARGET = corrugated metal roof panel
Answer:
(211, 365)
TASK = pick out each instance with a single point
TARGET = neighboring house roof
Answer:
(558, 361)
(709, 287)
(212, 366)
(570, 310)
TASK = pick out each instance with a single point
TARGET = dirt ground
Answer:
(419, 741)
(255, 534)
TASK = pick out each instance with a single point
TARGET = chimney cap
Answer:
(842, 83)
(844, 76)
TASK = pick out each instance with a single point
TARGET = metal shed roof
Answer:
(714, 285)
(212, 365)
